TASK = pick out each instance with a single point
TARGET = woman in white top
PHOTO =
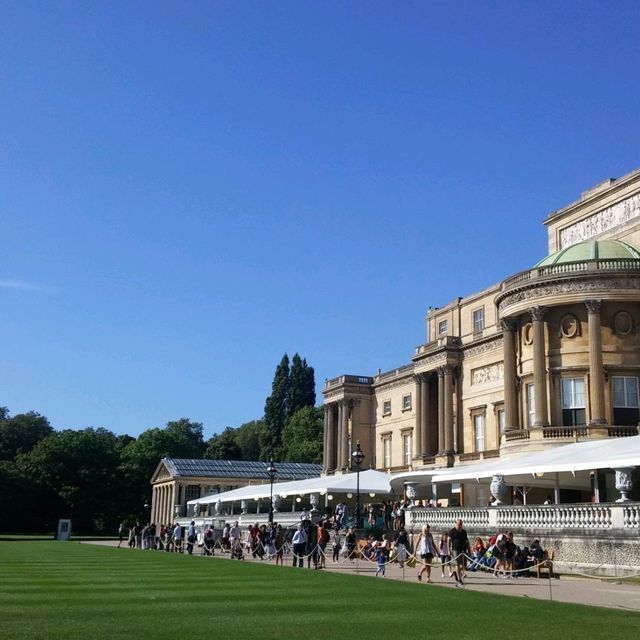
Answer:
(426, 547)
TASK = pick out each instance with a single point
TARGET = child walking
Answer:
(445, 553)
(381, 557)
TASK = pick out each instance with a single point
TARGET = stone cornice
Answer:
(577, 287)
(489, 344)
(392, 384)
(593, 195)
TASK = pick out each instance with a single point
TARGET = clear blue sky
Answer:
(190, 189)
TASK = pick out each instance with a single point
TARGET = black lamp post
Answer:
(357, 456)
(272, 471)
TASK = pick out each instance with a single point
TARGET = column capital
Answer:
(418, 378)
(593, 306)
(446, 370)
(509, 324)
(537, 313)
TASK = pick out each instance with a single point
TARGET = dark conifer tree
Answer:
(275, 412)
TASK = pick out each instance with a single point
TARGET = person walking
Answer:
(460, 548)
(381, 557)
(402, 546)
(191, 537)
(426, 547)
(299, 546)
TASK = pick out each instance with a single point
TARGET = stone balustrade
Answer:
(594, 538)
(561, 517)
(570, 268)
(569, 434)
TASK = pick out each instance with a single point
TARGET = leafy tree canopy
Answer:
(21, 433)
(224, 446)
(302, 436)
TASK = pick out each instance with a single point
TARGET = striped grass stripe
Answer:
(58, 590)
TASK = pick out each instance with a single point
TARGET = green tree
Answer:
(275, 412)
(21, 433)
(21, 500)
(140, 457)
(248, 438)
(302, 386)
(77, 476)
(224, 446)
(302, 436)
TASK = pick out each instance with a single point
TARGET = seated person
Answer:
(477, 553)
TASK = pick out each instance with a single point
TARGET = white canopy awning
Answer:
(371, 481)
(614, 453)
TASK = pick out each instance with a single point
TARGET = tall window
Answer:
(386, 452)
(443, 326)
(386, 408)
(406, 449)
(406, 402)
(625, 400)
(531, 405)
(478, 320)
(191, 492)
(501, 421)
(573, 412)
(478, 431)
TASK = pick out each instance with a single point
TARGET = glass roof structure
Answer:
(192, 467)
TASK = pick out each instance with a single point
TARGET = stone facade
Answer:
(554, 349)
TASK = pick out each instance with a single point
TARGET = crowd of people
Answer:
(501, 555)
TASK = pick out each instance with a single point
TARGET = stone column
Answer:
(448, 409)
(424, 422)
(346, 456)
(418, 428)
(330, 463)
(596, 374)
(340, 436)
(539, 367)
(165, 506)
(441, 447)
(510, 380)
(325, 433)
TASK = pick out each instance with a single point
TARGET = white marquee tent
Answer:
(571, 462)
(371, 482)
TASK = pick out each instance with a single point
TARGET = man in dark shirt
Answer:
(460, 548)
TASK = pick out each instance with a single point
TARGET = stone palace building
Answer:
(548, 356)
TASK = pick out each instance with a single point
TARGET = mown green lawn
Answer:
(75, 591)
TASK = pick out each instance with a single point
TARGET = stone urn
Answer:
(243, 506)
(218, 507)
(624, 483)
(276, 502)
(314, 499)
(498, 488)
(410, 490)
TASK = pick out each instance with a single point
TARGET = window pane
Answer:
(578, 395)
(566, 394)
(632, 392)
(618, 392)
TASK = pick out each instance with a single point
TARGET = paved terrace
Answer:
(598, 592)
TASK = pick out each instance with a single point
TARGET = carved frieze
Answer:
(490, 373)
(582, 286)
(401, 382)
(484, 347)
(609, 218)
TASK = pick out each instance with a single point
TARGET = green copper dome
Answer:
(592, 250)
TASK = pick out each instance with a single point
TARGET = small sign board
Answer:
(64, 530)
